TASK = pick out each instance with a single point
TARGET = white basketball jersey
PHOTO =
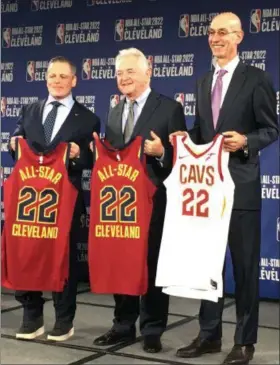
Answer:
(200, 194)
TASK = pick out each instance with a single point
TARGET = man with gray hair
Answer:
(143, 112)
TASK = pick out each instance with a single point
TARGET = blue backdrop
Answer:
(173, 36)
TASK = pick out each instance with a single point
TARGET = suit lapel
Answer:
(206, 95)
(69, 125)
(116, 118)
(150, 106)
(234, 88)
(38, 125)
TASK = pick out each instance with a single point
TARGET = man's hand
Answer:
(74, 150)
(178, 133)
(154, 147)
(233, 141)
(13, 142)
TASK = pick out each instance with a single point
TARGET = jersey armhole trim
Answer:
(220, 156)
(67, 155)
(17, 149)
(175, 150)
(95, 154)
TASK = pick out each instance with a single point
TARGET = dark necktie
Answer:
(49, 122)
(217, 97)
(129, 126)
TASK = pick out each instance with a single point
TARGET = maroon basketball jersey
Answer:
(120, 213)
(39, 202)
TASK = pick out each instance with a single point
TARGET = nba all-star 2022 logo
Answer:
(7, 71)
(172, 65)
(78, 32)
(264, 20)
(98, 68)
(139, 28)
(36, 70)
(194, 25)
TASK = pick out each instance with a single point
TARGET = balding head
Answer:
(230, 20)
(225, 34)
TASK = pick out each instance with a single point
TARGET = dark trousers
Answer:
(65, 301)
(244, 243)
(153, 306)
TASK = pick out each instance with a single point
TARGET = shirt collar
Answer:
(229, 67)
(67, 101)
(142, 97)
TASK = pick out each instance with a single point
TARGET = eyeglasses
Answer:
(219, 32)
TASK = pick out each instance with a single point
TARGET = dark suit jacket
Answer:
(249, 108)
(159, 114)
(78, 127)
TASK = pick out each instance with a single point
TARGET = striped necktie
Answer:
(129, 126)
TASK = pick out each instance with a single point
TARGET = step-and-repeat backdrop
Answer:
(173, 35)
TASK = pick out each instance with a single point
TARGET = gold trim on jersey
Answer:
(96, 153)
(18, 151)
(65, 154)
(224, 206)
(139, 152)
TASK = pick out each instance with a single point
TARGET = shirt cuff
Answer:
(161, 158)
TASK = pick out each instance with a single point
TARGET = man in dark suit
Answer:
(73, 123)
(246, 116)
(143, 112)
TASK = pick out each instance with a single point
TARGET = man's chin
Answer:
(58, 96)
(127, 92)
(219, 56)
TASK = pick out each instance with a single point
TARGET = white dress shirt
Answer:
(230, 68)
(62, 112)
(138, 106)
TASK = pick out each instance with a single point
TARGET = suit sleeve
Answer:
(19, 131)
(176, 123)
(264, 104)
(85, 159)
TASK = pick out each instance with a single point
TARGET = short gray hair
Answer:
(142, 60)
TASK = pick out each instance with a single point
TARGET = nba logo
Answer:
(114, 100)
(59, 37)
(34, 5)
(150, 60)
(119, 30)
(86, 69)
(3, 106)
(90, 2)
(6, 38)
(30, 71)
(209, 155)
(278, 229)
(180, 97)
(255, 20)
(184, 25)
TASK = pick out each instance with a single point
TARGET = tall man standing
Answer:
(238, 101)
(143, 112)
(59, 118)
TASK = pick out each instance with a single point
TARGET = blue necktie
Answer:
(49, 122)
